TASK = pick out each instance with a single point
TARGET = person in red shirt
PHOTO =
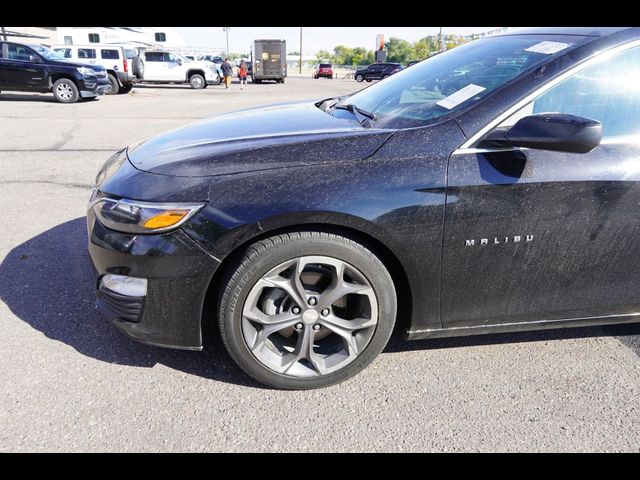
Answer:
(242, 74)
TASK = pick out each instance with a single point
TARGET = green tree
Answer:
(324, 56)
(398, 50)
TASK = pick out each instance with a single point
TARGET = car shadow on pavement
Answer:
(23, 97)
(47, 282)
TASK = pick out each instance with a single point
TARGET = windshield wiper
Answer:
(329, 103)
(364, 117)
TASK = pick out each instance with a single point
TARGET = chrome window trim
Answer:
(597, 57)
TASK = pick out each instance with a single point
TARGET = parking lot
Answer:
(72, 382)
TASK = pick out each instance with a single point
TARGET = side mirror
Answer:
(178, 61)
(35, 59)
(559, 132)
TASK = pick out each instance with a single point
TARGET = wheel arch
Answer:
(54, 77)
(362, 231)
(195, 71)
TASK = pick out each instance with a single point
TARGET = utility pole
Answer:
(4, 33)
(443, 47)
(300, 50)
(226, 30)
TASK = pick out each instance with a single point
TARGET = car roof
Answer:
(582, 31)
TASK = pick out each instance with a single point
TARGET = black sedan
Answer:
(308, 231)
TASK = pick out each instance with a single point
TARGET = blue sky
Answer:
(313, 38)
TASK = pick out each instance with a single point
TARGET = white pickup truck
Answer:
(162, 66)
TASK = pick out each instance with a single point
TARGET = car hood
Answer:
(74, 64)
(276, 136)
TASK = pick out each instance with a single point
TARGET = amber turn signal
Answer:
(165, 219)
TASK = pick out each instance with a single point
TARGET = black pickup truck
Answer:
(34, 68)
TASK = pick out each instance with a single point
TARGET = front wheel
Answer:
(65, 91)
(306, 310)
(359, 78)
(197, 81)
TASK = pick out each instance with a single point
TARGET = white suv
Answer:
(161, 66)
(120, 62)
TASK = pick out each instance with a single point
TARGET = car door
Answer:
(24, 69)
(175, 70)
(375, 72)
(535, 235)
(154, 66)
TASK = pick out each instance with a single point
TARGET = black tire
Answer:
(71, 93)
(263, 256)
(282, 80)
(115, 85)
(126, 88)
(368, 79)
(197, 81)
(384, 76)
(359, 77)
(137, 67)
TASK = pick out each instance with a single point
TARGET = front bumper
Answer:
(178, 273)
(93, 86)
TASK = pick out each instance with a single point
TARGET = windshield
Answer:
(48, 54)
(456, 79)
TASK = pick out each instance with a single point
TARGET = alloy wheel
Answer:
(309, 316)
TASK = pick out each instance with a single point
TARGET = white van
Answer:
(122, 65)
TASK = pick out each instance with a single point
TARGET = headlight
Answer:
(87, 72)
(111, 165)
(131, 216)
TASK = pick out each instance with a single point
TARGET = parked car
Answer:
(34, 68)
(377, 71)
(163, 66)
(474, 213)
(324, 70)
(117, 61)
(191, 58)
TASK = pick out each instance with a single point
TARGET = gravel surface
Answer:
(71, 382)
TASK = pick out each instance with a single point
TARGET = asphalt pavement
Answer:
(71, 382)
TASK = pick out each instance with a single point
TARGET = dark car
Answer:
(413, 62)
(34, 68)
(377, 71)
(307, 231)
(323, 70)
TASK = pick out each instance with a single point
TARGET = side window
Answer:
(86, 53)
(65, 52)
(109, 54)
(608, 92)
(94, 38)
(161, 37)
(18, 52)
(153, 56)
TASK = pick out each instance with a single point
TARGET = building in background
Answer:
(42, 35)
(156, 36)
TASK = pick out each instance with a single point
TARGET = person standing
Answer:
(242, 74)
(227, 70)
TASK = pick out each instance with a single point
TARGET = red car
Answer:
(323, 70)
